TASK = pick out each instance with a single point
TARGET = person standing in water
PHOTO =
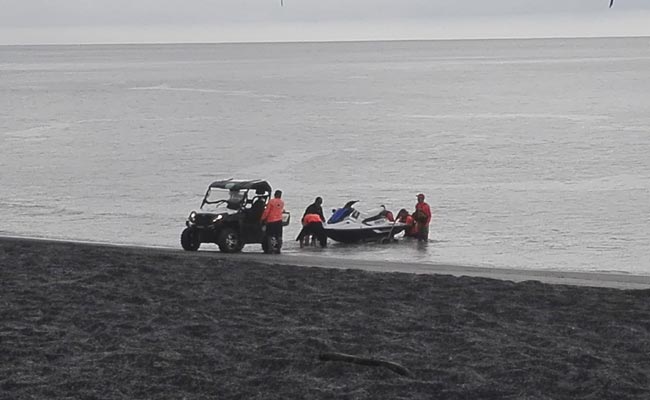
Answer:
(422, 217)
(272, 217)
(312, 232)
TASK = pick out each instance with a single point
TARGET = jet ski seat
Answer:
(375, 214)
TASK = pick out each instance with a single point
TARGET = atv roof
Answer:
(241, 185)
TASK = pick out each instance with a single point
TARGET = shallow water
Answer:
(533, 153)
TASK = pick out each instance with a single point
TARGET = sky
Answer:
(210, 21)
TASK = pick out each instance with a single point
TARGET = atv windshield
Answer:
(220, 200)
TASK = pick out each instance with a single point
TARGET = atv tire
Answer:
(190, 239)
(229, 241)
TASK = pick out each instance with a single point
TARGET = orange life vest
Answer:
(309, 218)
(424, 209)
(411, 227)
(273, 211)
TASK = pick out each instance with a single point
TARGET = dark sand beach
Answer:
(84, 321)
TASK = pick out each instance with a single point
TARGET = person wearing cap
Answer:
(422, 216)
(272, 217)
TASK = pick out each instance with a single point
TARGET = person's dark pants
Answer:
(316, 229)
(423, 233)
(274, 229)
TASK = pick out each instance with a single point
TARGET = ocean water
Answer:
(533, 154)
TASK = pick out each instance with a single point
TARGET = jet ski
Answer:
(349, 225)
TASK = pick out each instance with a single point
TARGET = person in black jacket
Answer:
(315, 208)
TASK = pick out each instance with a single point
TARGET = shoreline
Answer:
(616, 280)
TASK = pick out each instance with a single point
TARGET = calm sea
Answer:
(533, 154)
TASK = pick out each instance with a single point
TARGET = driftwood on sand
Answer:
(364, 361)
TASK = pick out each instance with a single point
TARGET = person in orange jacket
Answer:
(312, 226)
(404, 217)
(422, 217)
(272, 218)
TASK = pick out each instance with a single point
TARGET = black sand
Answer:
(94, 322)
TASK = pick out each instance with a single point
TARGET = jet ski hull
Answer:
(349, 225)
(366, 234)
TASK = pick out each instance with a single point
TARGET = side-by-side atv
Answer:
(230, 216)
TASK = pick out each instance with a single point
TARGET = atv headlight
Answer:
(192, 216)
(217, 218)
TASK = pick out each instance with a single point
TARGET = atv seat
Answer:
(254, 213)
(235, 201)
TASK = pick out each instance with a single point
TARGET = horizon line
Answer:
(316, 41)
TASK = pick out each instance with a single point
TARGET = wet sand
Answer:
(93, 321)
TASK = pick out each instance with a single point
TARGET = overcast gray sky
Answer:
(120, 21)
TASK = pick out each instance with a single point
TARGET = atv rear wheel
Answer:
(229, 241)
(190, 239)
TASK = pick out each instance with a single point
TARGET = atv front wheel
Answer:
(190, 239)
(229, 241)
